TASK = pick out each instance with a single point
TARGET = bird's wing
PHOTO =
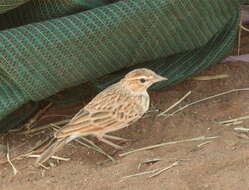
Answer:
(106, 115)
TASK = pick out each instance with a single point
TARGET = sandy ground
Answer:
(221, 163)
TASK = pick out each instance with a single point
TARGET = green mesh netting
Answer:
(50, 45)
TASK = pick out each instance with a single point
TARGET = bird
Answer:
(114, 108)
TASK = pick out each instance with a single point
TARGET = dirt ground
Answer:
(221, 163)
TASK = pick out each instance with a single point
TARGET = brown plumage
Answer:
(114, 108)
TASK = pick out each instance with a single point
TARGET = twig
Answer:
(233, 120)
(164, 169)
(8, 159)
(201, 138)
(175, 104)
(207, 98)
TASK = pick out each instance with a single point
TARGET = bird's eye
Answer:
(142, 80)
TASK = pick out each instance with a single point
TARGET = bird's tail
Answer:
(55, 147)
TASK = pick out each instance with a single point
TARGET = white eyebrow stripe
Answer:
(141, 77)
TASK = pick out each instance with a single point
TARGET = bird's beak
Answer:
(159, 78)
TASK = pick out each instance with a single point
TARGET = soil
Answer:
(221, 163)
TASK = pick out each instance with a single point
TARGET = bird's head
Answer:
(139, 80)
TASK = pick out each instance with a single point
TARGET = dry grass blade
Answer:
(202, 138)
(149, 161)
(44, 167)
(210, 77)
(164, 169)
(16, 158)
(242, 136)
(242, 129)
(235, 120)
(59, 123)
(30, 152)
(207, 98)
(141, 173)
(202, 144)
(30, 123)
(239, 36)
(175, 104)
(154, 172)
(244, 28)
(233, 123)
(3, 149)
(239, 33)
(93, 147)
(98, 149)
(53, 157)
(9, 160)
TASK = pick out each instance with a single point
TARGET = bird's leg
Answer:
(101, 138)
(117, 138)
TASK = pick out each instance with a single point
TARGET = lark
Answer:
(116, 107)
